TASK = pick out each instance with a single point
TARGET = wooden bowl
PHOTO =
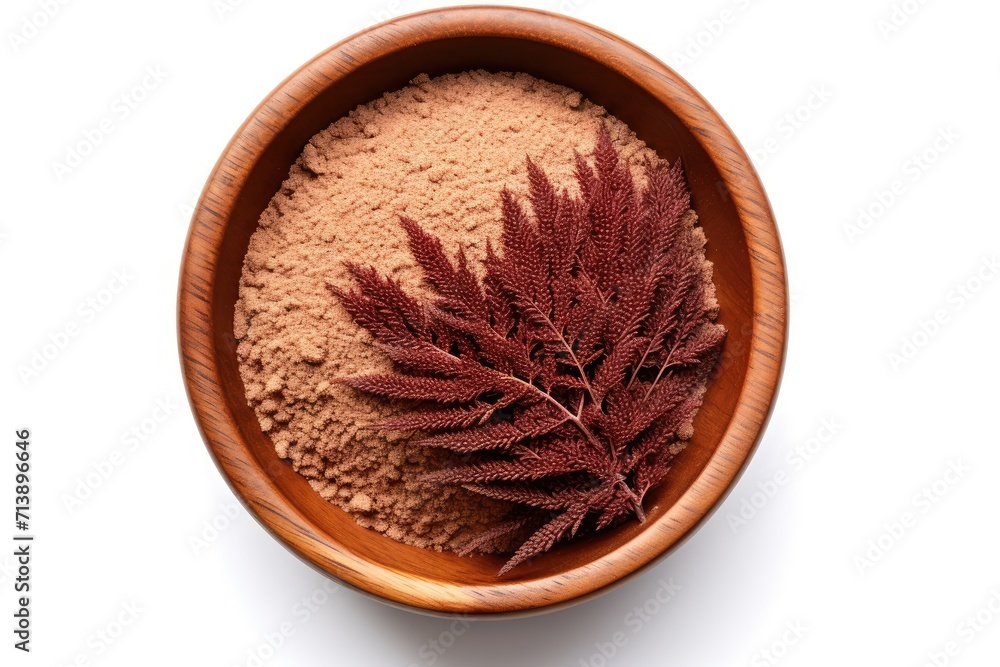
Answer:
(666, 113)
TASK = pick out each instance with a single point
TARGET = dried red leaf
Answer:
(563, 376)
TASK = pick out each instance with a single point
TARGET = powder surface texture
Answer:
(439, 151)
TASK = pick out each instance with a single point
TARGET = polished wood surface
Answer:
(665, 112)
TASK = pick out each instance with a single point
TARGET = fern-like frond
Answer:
(562, 372)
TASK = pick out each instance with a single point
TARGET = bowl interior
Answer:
(652, 121)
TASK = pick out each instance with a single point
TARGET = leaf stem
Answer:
(566, 411)
(575, 419)
(666, 364)
(635, 373)
(633, 497)
(568, 348)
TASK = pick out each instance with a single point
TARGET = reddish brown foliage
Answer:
(563, 375)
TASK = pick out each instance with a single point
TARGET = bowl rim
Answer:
(251, 483)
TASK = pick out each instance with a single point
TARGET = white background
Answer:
(880, 95)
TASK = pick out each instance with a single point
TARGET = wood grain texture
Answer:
(665, 112)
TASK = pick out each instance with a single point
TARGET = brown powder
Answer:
(440, 151)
